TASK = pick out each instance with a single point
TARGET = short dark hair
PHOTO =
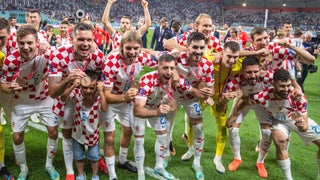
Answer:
(93, 75)
(281, 75)
(81, 27)
(250, 61)
(35, 11)
(64, 22)
(195, 36)
(288, 21)
(257, 31)
(12, 17)
(49, 27)
(232, 45)
(4, 24)
(166, 58)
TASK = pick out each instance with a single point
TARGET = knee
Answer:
(127, 131)
(109, 138)
(18, 139)
(66, 133)
(53, 133)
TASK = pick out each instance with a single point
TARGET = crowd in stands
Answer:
(183, 10)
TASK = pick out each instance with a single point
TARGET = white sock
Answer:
(217, 158)
(139, 154)
(285, 166)
(68, 154)
(159, 149)
(318, 169)
(110, 163)
(198, 141)
(123, 153)
(52, 146)
(265, 142)
(235, 142)
(20, 154)
(186, 123)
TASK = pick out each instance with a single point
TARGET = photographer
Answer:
(309, 45)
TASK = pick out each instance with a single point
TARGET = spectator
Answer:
(158, 35)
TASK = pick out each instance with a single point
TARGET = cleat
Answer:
(96, 177)
(172, 149)
(262, 170)
(128, 166)
(103, 166)
(162, 172)
(54, 175)
(219, 166)
(23, 175)
(81, 177)
(187, 156)
(70, 177)
(6, 174)
(166, 160)
(198, 171)
(234, 165)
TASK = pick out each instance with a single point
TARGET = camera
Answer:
(313, 68)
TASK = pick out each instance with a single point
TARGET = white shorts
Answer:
(161, 123)
(66, 121)
(261, 114)
(124, 112)
(312, 134)
(192, 107)
(21, 112)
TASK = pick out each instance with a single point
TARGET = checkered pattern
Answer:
(238, 81)
(62, 62)
(85, 131)
(42, 36)
(64, 41)
(37, 87)
(213, 45)
(151, 90)
(116, 38)
(206, 71)
(279, 109)
(281, 56)
(12, 42)
(114, 74)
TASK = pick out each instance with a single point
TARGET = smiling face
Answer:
(282, 88)
(165, 71)
(83, 43)
(34, 19)
(131, 51)
(251, 74)
(261, 40)
(204, 26)
(27, 46)
(195, 52)
(229, 58)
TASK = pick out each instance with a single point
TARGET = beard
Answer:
(282, 94)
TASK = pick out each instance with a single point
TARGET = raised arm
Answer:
(147, 19)
(305, 56)
(172, 44)
(105, 17)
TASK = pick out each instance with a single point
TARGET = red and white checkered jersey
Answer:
(118, 75)
(152, 90)
(64, 41)
(86, 120)
(213, 45)
(12, 41)
(204, 71)
(279, 109)
(116, 38)
(35, 87)
(281, 56)
(62, 61)
(238, 81)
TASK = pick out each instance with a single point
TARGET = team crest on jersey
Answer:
(50, 67)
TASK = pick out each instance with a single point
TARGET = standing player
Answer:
(250, 81)
(121, 68)
(125, 23)
(24, 76)
(4, 35)
(288, 114)
(63, 38)
(67, 64)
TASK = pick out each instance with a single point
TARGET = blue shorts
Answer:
(79, 151)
